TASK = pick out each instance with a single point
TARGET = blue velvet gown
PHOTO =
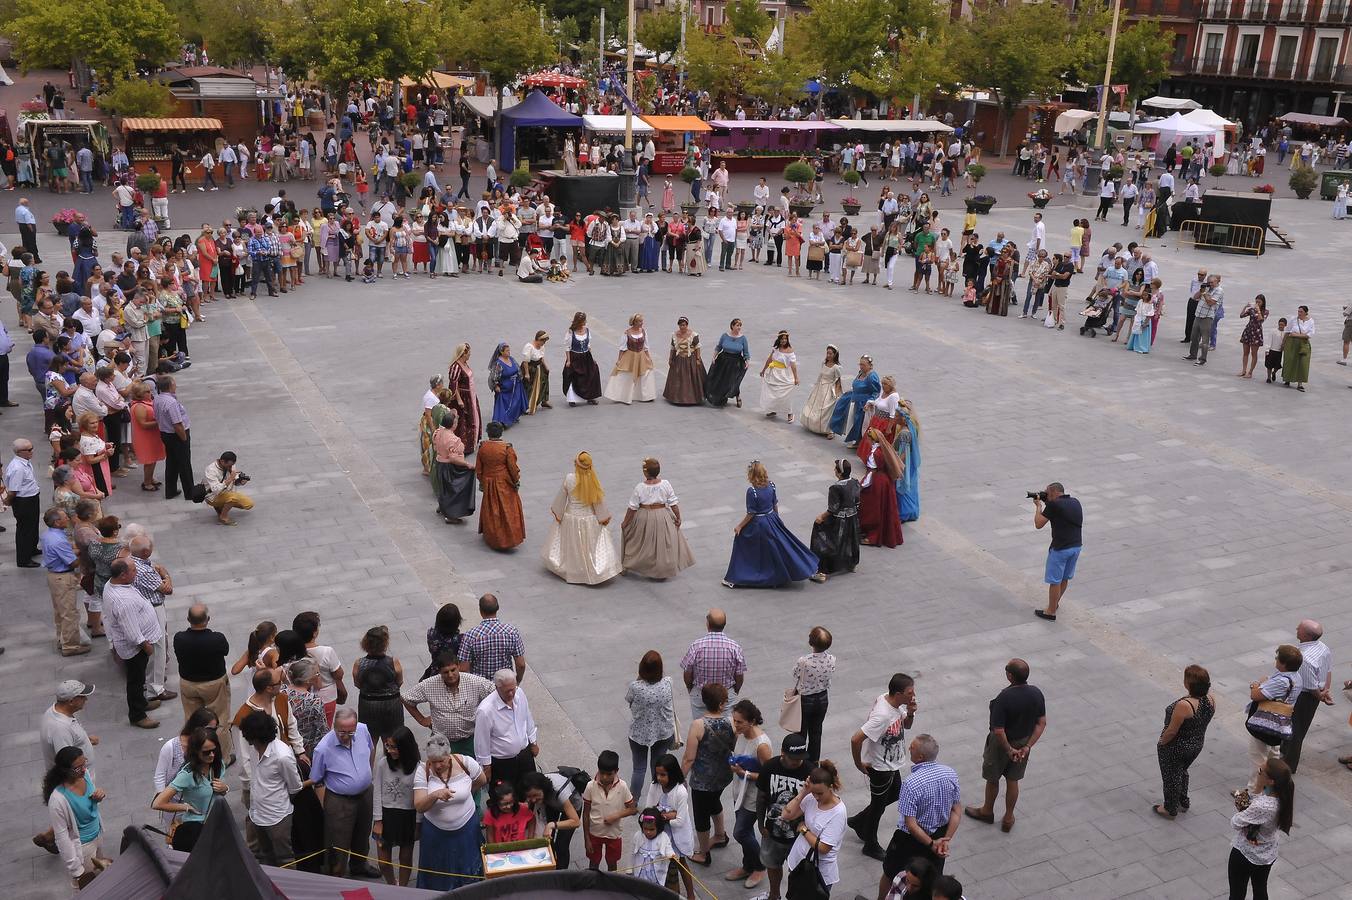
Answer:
(862, 390)
(766, 553)
(908, 485)
(509, 398)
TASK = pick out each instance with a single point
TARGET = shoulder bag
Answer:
(1270, 720)
(791, 711)
(805, 881)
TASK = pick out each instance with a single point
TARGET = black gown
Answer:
(836, 541)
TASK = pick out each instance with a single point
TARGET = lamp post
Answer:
(1093, 173)
(628, 187)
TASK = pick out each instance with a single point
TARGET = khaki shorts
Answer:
(996, 764)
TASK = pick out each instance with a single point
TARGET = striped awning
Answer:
(189, 123)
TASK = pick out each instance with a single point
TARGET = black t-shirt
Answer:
(1067, 519)
(778, 784)
(1016, 709)
(201, 654)
(1062, 273)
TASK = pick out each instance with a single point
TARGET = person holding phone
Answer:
(196, 784)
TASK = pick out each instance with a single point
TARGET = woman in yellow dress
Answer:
(581, 548)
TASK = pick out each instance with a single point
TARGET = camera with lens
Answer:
(1038, 495)
(241, 478)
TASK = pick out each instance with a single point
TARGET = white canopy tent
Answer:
(614, 125)
(1171, 103)
(894, 126)
(1177, 129)
(1209, 119)
(1073, 120)
(487, 107)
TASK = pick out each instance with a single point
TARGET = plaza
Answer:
(1216, 513)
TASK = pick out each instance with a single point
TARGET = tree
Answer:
(1015, 52)
(587, 12)
(713, 64)
(503, 38)
(339, 41)
(137, 97)
(746, 19)
(778, 78)
(240, 34)
(1141, 58)
(660, 32)
(111, 36)
(840, 38)
(918, 65)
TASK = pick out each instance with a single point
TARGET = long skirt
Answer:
(885, 425)
(581, 550)
(581, 378)
(847, 418)
(647, 255)
(632, 380)
(725, 379)
(380, 715)
(777, 390)
(455, 490)
(509, 403)
(447, 263)
(816, 414)
(879, 521)
(766, 554)
(501, 521)
(1296, 360)
(537, 389)
(425, 430)
(836, 543)
(653, 546)
(453, 852)
(1141, 338)
(685, 381)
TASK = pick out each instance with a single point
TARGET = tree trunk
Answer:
(1005, 119)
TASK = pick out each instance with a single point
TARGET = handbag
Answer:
(805, 881)
(854, 258)
(1270, 720)
(791, 711)
(816, 252)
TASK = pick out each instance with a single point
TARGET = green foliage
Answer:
(841, 38)
(586, 13)
(520, 178)
(137, 97)
(411, 181)
(503, 38)
(918, 64)
(660, 32)
(566, 31)
(713, 64)
(1141, 58)
(799, 173)
(778, 78)
(1303, 180)
(851, 177)
(147, 182)
(689, 174)
(339, 41)
(746, 19)
(112, 36)
(977, 171)
(1217, 169)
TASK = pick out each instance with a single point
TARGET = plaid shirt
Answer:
(714, 658)
(148, 582)
(929, 794)
(452, 713)
(491, 646)
(265, 247)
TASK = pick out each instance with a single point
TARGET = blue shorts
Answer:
(1061, 564)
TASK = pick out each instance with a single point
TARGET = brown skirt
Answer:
(653, 546)
(685, 381)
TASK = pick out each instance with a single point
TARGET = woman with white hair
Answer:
(443, 793)
(426, 427)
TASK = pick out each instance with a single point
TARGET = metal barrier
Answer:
(1221, 236)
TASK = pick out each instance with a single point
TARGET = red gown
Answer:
(879, 520)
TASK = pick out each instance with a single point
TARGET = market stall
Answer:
(1174, 130)
(442, 83)
(542, 145)
(150, 140)
(763, 145)
(1173, 103)
(609, 130)
(673, 136)
(38, 134)
(1307, 123)
(485, 110)
(1223, 131)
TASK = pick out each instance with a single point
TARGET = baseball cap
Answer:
(794, 744)
(70, 689)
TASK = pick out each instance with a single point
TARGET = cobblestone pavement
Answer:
(1215, 509)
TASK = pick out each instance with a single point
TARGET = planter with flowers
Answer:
(63, 219)
(980, 204)
(1265, 189)
(1040, 197)
(851, 204)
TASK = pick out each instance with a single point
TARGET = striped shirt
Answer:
(714, 658)
(1314, 668)
(130, 619)
(452, 714)
(491, 646)
(929, 795)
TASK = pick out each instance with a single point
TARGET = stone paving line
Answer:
(1091, 817)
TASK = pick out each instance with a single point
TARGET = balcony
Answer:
(1246, 67)
(1255, 9)
(1281, 69)
(1335, 10)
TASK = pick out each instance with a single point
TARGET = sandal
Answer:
(1163, 813)
(150, 487)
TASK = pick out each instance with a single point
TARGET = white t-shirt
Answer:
(681, 828)
(327, 660)
(829, 827)
(884, 737)
(455, 813)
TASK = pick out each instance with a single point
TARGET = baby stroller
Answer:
(1096, 312)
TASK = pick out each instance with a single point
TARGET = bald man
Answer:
(1315, 679)
(202, 681)
(715, 657)
(1018, 718)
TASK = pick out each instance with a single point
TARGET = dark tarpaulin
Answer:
(536, 111)
(220, 865)
(567, 884)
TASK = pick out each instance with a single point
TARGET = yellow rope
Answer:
(379, 862)
(302, 859)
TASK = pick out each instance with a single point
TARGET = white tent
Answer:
(1178, 129)
(894, 126)
(614, 124)
(1209, 119)
(1073, 120)
(1171, 103)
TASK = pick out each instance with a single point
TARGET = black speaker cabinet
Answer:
(1235, 208)
(585, 194)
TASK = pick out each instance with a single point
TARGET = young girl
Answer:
(506, 819)
(261, 651)
(951, 274)
(671, 798)
(1273, 362)
(652, 848)
(393, 821)
(1142, 323)
(362, 187)
(969, 295)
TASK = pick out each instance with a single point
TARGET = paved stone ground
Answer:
(1215, 512)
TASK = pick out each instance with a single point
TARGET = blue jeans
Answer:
(87, 181)
(1028, 298)
(744, 833)
(644, 758)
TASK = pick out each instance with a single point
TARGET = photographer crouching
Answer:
(1066, 516)
(222, 480)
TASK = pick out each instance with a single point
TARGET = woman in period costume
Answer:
(1296, 349)
(816, 415)
(535, 373)
(454, 482)
(581, 548)
(509, 394)
(648, 251)
(464, 399)
(907, 446)
(847, 418)
(779, 377)
(731, 355)
(86, 257)
(764, 552)
(581, 376)
(882, 416)
(425, 425)
(612, 260)
(878, 518)
(501, 521)
(651, 540)
(632, 379)
(685, 369)
(835, 533)
(1002, 283)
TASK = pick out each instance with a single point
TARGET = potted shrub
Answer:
(1115, 172)
(689, 174)
(980, 204)
(1040, 197)
(1303, 181)
(976, 171)
(745, 206)
(148, 182)
(851, 203)
(62, 221)
(799, 173)
(411, 182)
(520, 178)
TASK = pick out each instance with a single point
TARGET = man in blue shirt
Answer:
(58, 557)
(6, 345)
(28, 229)
(341, 766)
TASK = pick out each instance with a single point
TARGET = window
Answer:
(1325, 55)
(1285, 62)
(1180, 48)
(1247, 58)
(1211, 58)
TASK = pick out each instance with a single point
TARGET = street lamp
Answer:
(628, 188)
(1093, 174)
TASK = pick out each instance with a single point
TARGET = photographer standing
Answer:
(221, 479)
(1063, 511)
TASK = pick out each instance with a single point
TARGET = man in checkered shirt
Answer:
(492, 645)
(715, 657)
